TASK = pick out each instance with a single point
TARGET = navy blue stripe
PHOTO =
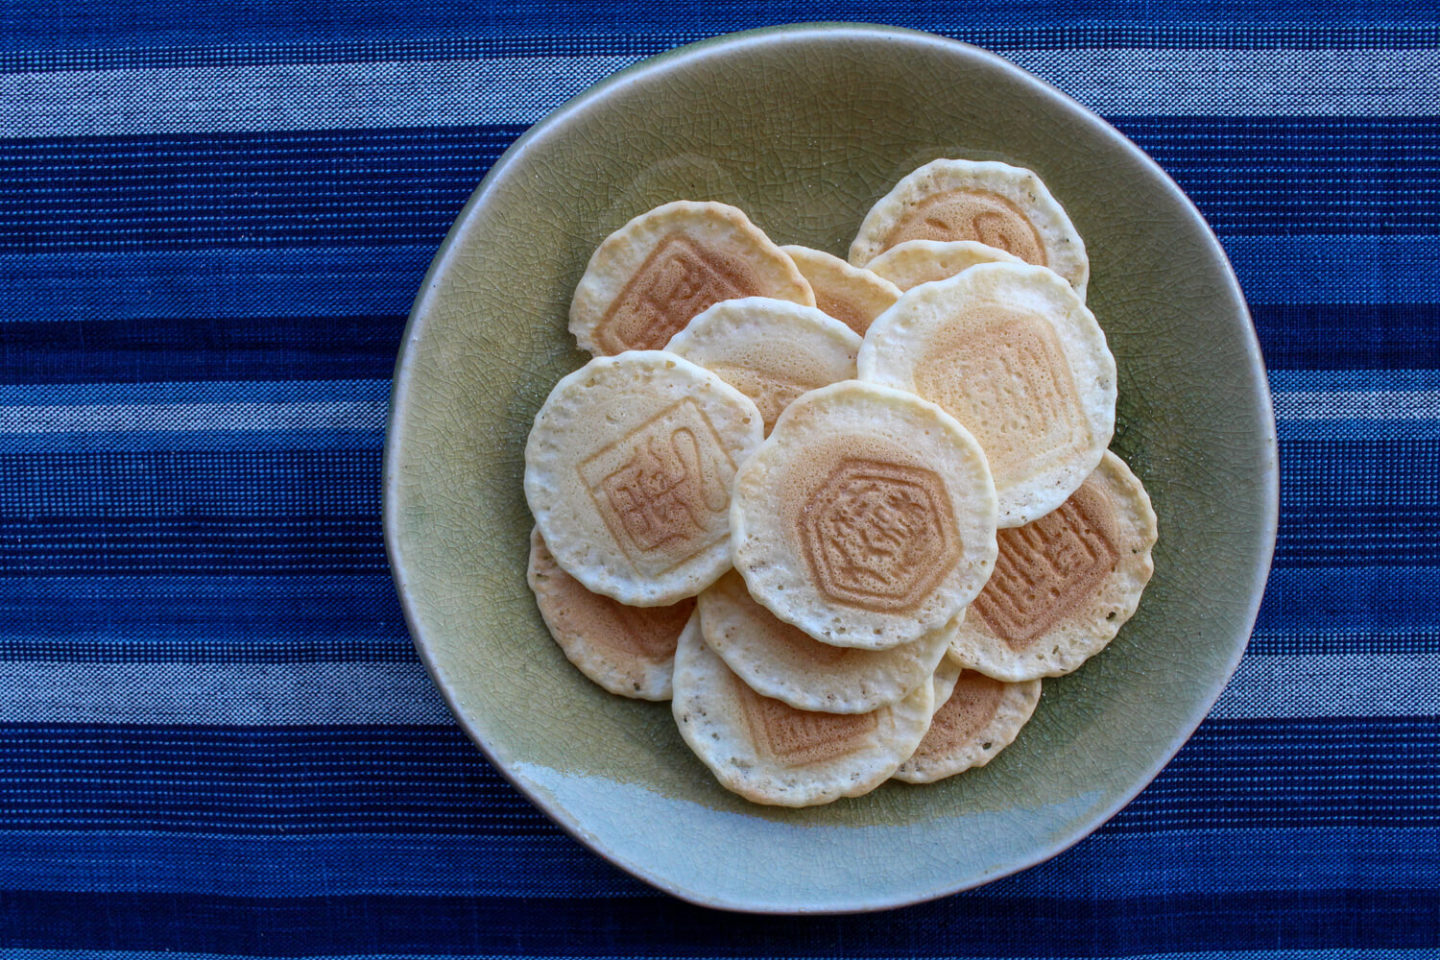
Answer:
(119, 350)
(282, 619)
(302, 486)
(290, 618)
(54, 25)
(1248, 176)
(1233, 773)
(1003, 37)
(986, 922)
(1377, 337)
(1272, 176)
(316, 511)
(1352, 597)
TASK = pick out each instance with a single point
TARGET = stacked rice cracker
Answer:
(845, 515)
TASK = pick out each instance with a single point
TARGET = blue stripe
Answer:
(1300, 335)
(522, 42)
(1236, 773)
(106, 347)
(114, 350)
(440, 865)
(294, 618)
(371, 187)
(283, 283)
(1312, 638)
(1140, 924)
(316, 510)
(382, 281)
(178, 390)
(287, 618)
(1248, 176)
(1332, 953)
(33, 25)
(1354, 598)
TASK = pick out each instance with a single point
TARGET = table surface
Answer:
(215, 736)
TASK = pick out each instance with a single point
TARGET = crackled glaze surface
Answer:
(488, 339)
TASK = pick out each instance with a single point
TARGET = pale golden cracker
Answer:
(629, 651)
(853, 295)
(1064, 584)
(770, 350)
(1011, 352)
(909, 264)
(769, 752)
(628, 471)
(778, 660)
(647, 279)
(995, 203)
(977, 719)
(867, 519)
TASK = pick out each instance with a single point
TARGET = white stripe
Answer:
(1357, 405)
(1341, 685)
(293, 96)
(522, 90)
(265, 694)
(1398, 405)
(1235, 83)
(1334, 685)
(180, 417)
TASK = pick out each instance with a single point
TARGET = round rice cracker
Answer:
(975, 718)
(1011, 352)
(1064, 584)
(628, 472)
(853, 295)
(771, 753)
(629, 651)
(778, 660)
(909, 264)
(997, 204)
(770, 350)
(866, 519)
(647, 279)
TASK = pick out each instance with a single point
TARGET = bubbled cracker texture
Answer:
(853, 295)
(628, 471)
(770, 350)
(781, 661)
(866, 519)
(647, 279)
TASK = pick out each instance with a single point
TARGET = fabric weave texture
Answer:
(215, 735)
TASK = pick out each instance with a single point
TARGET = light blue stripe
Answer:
(1408, 380)
(1357, 685)
(44, 419)
(295, 96)
(521, 90)
(220, 694)
(349, 864)
(402, 694)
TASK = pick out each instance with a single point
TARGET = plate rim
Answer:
(718, 45)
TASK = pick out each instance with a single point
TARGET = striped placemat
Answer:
(215, 737)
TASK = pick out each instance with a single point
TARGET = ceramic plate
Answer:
(804, 128)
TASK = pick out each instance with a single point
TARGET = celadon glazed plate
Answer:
(804, 128)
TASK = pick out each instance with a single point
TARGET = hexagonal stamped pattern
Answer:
(879, 535)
